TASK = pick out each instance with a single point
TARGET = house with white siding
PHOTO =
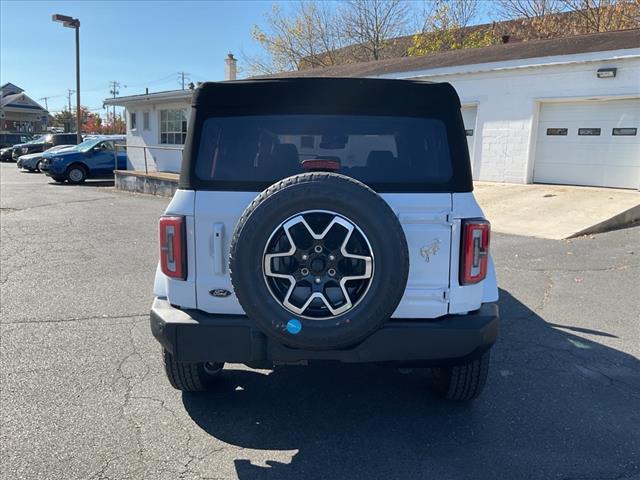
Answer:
(157, 125)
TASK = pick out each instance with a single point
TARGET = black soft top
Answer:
(334, 96)
(354, 96)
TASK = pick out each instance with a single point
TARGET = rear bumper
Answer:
(195, 336)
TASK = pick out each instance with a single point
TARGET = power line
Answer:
(150, 82)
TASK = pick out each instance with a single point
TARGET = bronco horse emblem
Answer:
(429, 250)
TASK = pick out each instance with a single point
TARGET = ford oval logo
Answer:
(219, 292)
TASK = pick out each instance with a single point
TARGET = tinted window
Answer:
(374, 149)
(69, 139)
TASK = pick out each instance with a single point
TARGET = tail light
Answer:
(475, 251)
(173, 247)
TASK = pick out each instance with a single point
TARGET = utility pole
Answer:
(115, 92)
(69, 94)
(183, 77)
(46, 105)
(67, 121)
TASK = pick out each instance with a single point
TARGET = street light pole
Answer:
(78, 110)
(71, 22)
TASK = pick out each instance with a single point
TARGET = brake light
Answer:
(475, 251)
(321, 165)
(173, 248)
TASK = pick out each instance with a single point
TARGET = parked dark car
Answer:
(94, 158)
(11, 139)
(44, 143)
(6, 154)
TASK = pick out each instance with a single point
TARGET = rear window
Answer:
(381, 151)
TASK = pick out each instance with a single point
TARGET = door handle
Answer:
(218, 247)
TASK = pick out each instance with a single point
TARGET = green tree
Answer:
(64, 119)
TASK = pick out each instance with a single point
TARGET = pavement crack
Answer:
(56, 204)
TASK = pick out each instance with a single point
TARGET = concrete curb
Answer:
(624, 219)
(161, 185)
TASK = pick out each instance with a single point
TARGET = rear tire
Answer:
(38, 165)
(191, 376)
(461, 382)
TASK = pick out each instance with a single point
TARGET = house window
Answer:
(557, 131)
(173, 127)
(145, 120)
(624, 132)
(132, 120)
(589, 131)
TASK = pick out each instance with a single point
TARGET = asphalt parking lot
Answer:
(83, 396)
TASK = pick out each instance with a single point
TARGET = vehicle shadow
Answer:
(88, 183)
(556, 405)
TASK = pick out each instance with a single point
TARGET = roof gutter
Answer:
(503, 65)
(149, 97)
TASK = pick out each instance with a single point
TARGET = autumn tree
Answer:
(555, 18)
(604, 15)
(369, 25)
(311, 34)
(304, 35)
(115, 124)
(92, 123)
(447, 26)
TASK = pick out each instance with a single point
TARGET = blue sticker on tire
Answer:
(294, 326)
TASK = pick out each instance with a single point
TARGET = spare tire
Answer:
(319, 261)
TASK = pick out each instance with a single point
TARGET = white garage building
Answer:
(563, 111)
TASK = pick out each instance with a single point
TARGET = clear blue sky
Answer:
(139, 44)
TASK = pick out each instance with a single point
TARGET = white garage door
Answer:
(469, 115)
(589, 143)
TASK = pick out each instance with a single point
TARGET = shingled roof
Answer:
(595, 42)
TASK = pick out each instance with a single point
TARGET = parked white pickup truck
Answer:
(326, 219)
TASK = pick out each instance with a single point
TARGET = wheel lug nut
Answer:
(332, 257)
(331, 272)
(317, 249)
(305, 257)
(304, 271)
(318, 280)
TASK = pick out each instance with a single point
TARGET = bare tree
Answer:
(370, 24)
(529, 9)
(305, 36)
(464, 12)
(554, 18)
(605, 15)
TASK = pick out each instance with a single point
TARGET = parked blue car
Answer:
(93, 158)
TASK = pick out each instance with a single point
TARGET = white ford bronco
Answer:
(326, 219)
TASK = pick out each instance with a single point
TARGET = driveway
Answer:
(83, 395)
(556, 211)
